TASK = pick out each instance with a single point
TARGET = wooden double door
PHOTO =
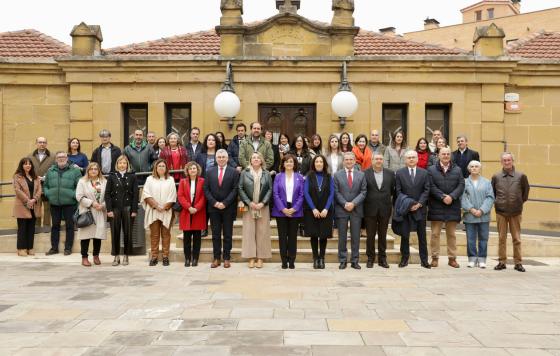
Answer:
(291, 119)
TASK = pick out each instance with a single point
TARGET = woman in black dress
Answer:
(318, 210)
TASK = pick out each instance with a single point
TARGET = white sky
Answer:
(128, 21)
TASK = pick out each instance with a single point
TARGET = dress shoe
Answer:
(215, 264)
(153, 262)
(404, 262)
(51, 252)
(321, 263)
(435, 262)
(22, 253)
(383, 263)
(117, 261)
(187, 262)
(227, 264)
(316, 264)
(259, 263)
(355, 265)
(519, 267)
(251, 263)
(97, 261)
(194, 262)
(85, 262)
(166, 261)
(67, 252)
(500, 266)
(291, 264)
(369, 264)
(342, 265)
(425, 264)
(453, 263)
(31, 252)
(284, 263)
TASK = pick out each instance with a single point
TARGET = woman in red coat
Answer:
(193, 216)
(175, 155)
(423, 153)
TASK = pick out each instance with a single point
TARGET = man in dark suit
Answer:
(413, 182)
(350, 192)
(194, 146)
(464, 155)
(220, 189)
(378, 206)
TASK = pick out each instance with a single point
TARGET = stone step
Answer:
(304, 255)
(302, 241)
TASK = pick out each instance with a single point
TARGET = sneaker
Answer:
(482, 265)
(166, 261)
(519, 267)
(67, 252)
(471, 264)
(500, 266)
(51, 252)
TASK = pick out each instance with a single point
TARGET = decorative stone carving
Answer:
(231, 5)
(343, 5)
(288, 7)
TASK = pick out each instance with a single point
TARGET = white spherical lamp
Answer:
(227, 104)
(344, 104)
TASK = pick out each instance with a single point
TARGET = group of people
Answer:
(309, 189)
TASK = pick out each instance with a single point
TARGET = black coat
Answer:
(192, 153)
(115, 153)
(419, 190)
(120, 194)
(463, 160)
(305, 165)
(379, 202)
(226, 194)
(451, 183)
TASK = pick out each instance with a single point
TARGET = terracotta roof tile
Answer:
(369, 43)
(199, 43)
(31, 44)
(544, 45)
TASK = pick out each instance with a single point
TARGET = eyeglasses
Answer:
(42, 142)
(62, 157)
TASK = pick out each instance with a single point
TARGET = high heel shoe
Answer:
(125, 260)
(252, 263)
(117, 261)
(259, 263)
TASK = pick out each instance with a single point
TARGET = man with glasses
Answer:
(106, 154)
(42, 160)
(447, 186)
(375, 144)
(60, 188)
(413, 190)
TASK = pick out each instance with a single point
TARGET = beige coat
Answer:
(85, 194)
(163, 191)
(23, 195)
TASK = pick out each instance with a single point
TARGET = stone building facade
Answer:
(286, 71)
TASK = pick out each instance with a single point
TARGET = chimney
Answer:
(489, 41)
(388, 31)
(430, 23)
(86, 40)
(517, 5)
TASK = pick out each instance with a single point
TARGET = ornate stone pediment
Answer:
(289, 34)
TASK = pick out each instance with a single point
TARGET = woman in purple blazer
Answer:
(288, 208)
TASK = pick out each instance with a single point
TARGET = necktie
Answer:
(350, 179)
(412, 174)
(220, 176)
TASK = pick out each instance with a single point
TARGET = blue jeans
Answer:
(480, 231)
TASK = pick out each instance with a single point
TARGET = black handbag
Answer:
(83, 220)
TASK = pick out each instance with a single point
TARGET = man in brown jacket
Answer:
(42, 160)
(511, 189)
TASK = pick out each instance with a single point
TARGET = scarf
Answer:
(363, 159)
(256, 191)
(284, 148)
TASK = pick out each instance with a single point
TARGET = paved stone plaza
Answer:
(54, 306)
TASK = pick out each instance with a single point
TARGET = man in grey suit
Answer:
(350, 192)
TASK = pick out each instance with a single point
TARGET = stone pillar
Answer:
(489, 41)
(231, 28)
(492, 125)
(342, 28)
(86, 40)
